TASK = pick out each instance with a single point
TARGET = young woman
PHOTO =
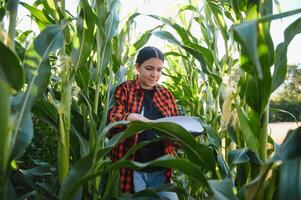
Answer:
(143, 99)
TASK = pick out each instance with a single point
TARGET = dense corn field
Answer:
(56, 88)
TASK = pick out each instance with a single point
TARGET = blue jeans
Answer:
(148, 180)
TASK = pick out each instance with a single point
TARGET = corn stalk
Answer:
(64, 108)
(12, 8)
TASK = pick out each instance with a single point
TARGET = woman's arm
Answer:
(119, 112)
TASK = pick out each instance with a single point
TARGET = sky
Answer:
(168, 8)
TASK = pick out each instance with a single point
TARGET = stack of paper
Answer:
(189, 123)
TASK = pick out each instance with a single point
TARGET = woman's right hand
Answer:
(137, 117)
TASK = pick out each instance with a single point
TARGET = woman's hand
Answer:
(137, 117)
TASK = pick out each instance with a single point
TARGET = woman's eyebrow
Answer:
(153, 66)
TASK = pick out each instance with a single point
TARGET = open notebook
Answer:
(189, 123)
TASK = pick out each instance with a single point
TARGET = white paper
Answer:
(187, 122)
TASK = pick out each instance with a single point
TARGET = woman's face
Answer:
(149, 72)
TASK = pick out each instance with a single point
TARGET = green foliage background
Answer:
(288, 98)
(56, 88)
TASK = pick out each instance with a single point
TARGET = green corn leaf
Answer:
(142, 40)
(36, 62)
(166, 161)
(46, 112)
(85, 36)
(246, 35)
(5, 133)
(111, 24)
(24, 36)
(223, 167)
(32, 194)
(10, 191)
(291, 145)
(235, 4)
(167, 36)
(207, 54)
(38, 72)
(280, 66)
(248, 135)
(250, 190)
(78, 174)
(11, 71)
(219, 18)
(278, 6)
(249, 90)
(240, 156)
(79, 131)
(153, 192)
(201, 151)
(266, 56)
(43, 170)
(24, 137)
(290, 186)
(110, 185)
(222, 189)
(180, 30)
(50, 39)
(291, 31)
(38, 15)
(187, 7)
(51, 7)
(212, 135)
(231, 133)
(82, 78)
(266, 8)
(199, 56)
(83, 168)
(271, 17)
(290, 155)
(82, 171)
(2, 13)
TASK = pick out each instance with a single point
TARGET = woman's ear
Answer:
(136, 66)
(136, 70)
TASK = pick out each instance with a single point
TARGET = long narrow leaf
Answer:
(10, 69)
(5, 133)
(248, 135)
(280, 69)
(247, 36)
(38, 71)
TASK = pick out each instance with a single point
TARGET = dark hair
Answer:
(148, 52)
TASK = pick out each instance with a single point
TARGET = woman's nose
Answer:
(153, 74)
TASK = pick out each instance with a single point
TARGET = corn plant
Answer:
(85, 64)
(250, 102)
(67, 74)
(18, 98)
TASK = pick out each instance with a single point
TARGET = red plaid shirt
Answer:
(128, 99)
